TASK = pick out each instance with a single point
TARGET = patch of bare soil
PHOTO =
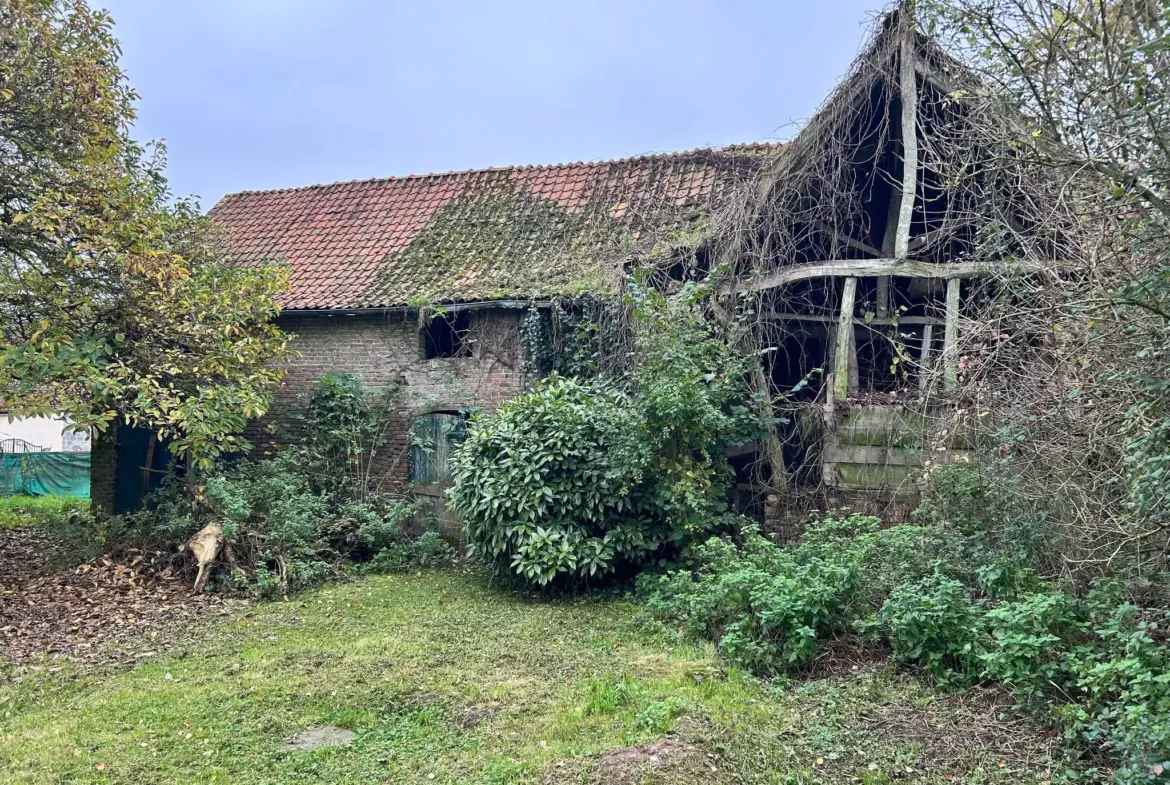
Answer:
(472, 716)
(631, 765)
(104, 610)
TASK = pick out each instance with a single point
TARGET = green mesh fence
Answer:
(45, 474)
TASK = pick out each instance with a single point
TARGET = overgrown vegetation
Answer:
(1069, 364)
(584, 477)
(952, 597)
(295, 519)
(445, 679)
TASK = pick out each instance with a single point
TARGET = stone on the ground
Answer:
(315, 738)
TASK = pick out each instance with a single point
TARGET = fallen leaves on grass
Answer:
(99, 611)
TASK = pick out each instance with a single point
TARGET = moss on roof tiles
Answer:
(481, 235)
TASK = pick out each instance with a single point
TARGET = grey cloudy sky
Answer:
(252, 94)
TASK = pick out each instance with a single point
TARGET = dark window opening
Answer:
(447, 336)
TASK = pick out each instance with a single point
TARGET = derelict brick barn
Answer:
(860, 248)
(426, 278)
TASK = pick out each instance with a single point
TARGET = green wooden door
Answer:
(433, 439)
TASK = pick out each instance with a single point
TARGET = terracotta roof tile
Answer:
(521, 232)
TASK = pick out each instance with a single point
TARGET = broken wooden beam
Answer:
(908, 88)
(856, 245)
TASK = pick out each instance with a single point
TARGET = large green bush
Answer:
(766, 607)
(933, 623)
(578, 479)
(550, 484)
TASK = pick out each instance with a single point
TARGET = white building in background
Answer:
(52, 434)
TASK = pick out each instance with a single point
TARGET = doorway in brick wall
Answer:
(434, 436)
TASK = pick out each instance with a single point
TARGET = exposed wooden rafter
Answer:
(877, 321)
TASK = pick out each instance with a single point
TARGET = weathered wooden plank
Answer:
(887, 456)
(871, 477)
(844, 339)
(877, 321)
(924, 355)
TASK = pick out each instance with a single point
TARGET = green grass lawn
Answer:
(446, 679)
(39, 510)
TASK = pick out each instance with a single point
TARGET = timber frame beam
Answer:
(863, 268)
(877, 321)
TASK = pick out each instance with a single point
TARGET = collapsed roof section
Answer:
(512, 233)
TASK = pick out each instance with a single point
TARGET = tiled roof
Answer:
(523, 232)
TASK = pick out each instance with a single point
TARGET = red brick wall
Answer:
(383, 346)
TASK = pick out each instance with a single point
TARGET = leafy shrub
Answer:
(1123, 675)
(293, 520)
(429, 550)
(575, 480)
(547, 484)
(947, 603)
(1030, 640)
(934, 623)
(766, 606)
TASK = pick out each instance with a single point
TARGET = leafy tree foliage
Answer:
(116, 303)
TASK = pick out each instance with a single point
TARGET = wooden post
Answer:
(909, 94)
(844, 340)
(924, 355)
(951, 337)
(148, 468)
(854, 368)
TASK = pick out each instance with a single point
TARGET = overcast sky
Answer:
(253, 94)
